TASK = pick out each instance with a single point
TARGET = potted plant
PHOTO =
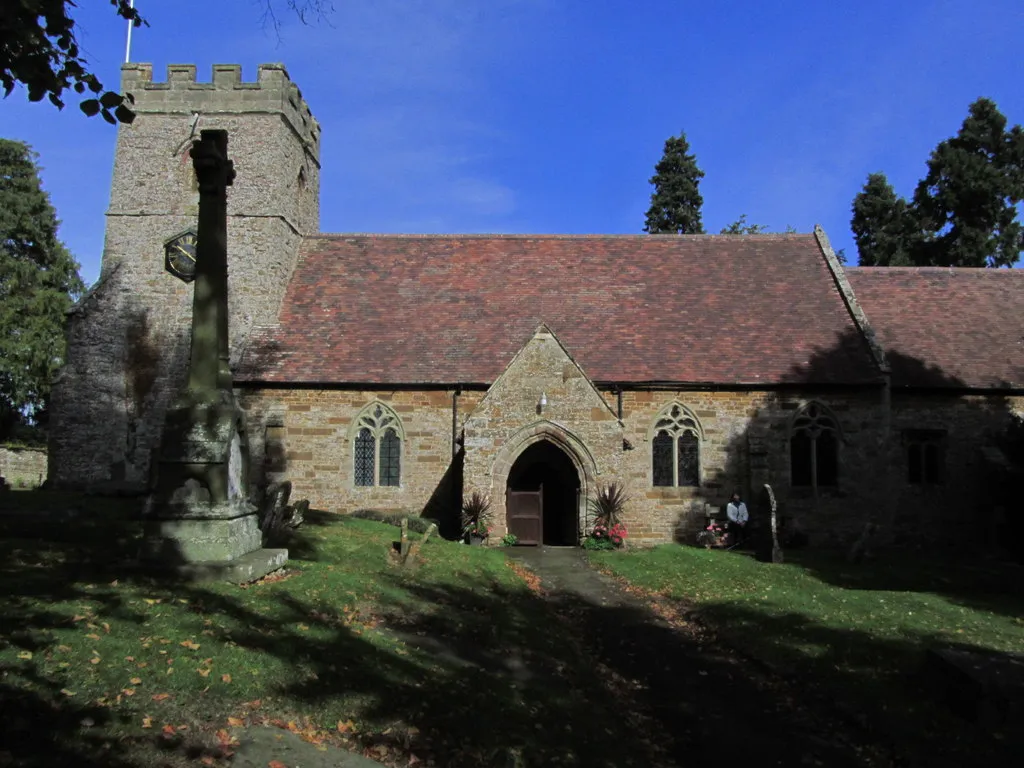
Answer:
(476, 518)
(608, 507)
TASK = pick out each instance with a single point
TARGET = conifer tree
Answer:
(676, 201)
(963, 213)
(38, 283)
(967, 203)
(882, 225)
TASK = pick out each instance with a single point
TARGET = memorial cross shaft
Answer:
(208, 364)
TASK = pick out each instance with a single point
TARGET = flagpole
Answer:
(128, 45)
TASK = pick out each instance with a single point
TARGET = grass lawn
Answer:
(856, 635)
(452, 661)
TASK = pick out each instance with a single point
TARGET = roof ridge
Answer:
(549, 236)
(930, 270)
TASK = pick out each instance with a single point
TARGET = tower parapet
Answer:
(273, 91)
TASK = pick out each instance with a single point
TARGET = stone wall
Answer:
(745, 443)
(128, 337)
(958, 509)
(22, 467)
(306, 436)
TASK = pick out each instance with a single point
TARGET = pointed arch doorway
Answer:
(542, 498)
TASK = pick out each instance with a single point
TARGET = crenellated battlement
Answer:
(273, 91)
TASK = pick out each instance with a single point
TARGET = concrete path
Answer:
(709, 705)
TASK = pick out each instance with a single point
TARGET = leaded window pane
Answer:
(688, 463)
(661, 450)
(800, 447)
(914, 463)
(828, 458)
(390, 457)
(933, 464)
(364, 451)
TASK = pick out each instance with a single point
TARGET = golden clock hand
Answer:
(187, 254)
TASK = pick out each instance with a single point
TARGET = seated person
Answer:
(738, 516)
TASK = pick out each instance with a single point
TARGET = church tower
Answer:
(128, 336)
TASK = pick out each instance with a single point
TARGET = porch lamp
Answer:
(543, 401)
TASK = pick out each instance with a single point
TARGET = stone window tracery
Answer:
(814, 448)
(926, 456)
(377, 447)
(675, 448)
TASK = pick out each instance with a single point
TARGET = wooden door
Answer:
(525, 515)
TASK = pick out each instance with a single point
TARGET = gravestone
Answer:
(200, 522)
(776, 547)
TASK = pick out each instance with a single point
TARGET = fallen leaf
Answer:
(25, 655)
(93, 636)
(94, 660)
(106, 627)
(128, 691)
(168, 730)
(161, 696)
(254, 704)
(226, 678)
(136, 681)
(303, 627)
(66, 692)
(190, 645)
(236, 721)
(203, 672)
(276, 764)
(147, 722)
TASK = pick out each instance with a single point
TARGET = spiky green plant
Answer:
(475, 510)
(609, 504)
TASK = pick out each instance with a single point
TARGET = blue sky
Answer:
(548, 116)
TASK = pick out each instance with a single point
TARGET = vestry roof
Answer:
(446, 309)
(944, 327)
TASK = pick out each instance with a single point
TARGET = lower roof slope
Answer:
(445, 309)
(946, 327)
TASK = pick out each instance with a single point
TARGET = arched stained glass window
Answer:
(377, 447)
(365, 445)
(675, 448)
(814, 447)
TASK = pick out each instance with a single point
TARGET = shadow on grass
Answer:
(884, 685)
(462, 669)
(987, 584)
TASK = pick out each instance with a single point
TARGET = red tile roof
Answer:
(420, 309)
(946, 327)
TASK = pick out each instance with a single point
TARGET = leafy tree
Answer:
(676, 200)
(38, 49)
(882, 224)
(963, 213)
(740, 227)
(967, 203)
(38, 282)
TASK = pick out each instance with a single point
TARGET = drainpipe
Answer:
(618, 394)
(455, 420)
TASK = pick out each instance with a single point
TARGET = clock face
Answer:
(180, 256)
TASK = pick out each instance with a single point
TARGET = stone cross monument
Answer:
(200, 521)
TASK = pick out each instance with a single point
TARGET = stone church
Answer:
(404, 372)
